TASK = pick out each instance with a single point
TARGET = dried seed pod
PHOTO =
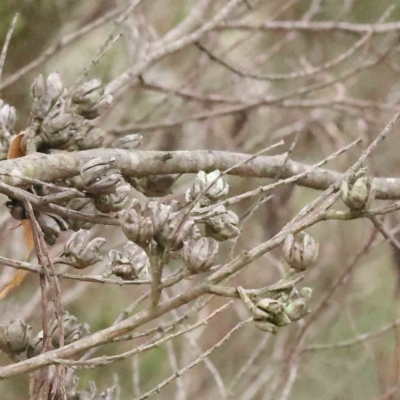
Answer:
(51, 226)
(161, 212)
(98, 108)
(100, 163)
(83, 205)
(37, 89)
(137, 228)
(54, 85)
(15, 337)
(223, 227)
(300, 251)
(73, 330)
(270, 306)
(16, 209)
(113, 202)
(59, 125)
(154, 185)
(218, 190)
(298, 306)
(90, 99)
(266, 326)
(178, 228)
(41, 107)
(98, 177)
(305, 292)
(297, 309)
(82, 93)
(8, 116)
(199, 255)
(275, 310)
(42, 98)
(141, 224)
(130, 264)
(80, 253)
(36, 346)
(92, 139)
(268, 314)
(128, 142)
(358, 195)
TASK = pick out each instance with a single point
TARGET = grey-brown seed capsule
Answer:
(137, 228)
(128, 142)
(297, 309)
(275, 311)
(218, 189)
(80, 253)
(73, 330)
(358, 195)
(59, 125)
(298, 306)
(54, 85)
(199, 255)
(113, 202)
(51, 227)
(141, 224)
(130, 264)
(15, 337)
(300, 251)
(37, 89)
(223, 227)
(83, 205)
(92, 139)
(266, 326)
(16, 209)
(154, 185)
(91, 100)
(178, 228)
(81, 93)
(36, 345)
(98, 177)
(8, 116)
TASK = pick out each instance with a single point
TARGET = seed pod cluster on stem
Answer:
(288, 306)
(61, 120)
(72, 328)
(141, 223)
(17, 342)
(90, 100)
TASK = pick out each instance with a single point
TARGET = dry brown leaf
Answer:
(15, 282)
(16, 151)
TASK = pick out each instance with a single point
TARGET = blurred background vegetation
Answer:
(364, 303)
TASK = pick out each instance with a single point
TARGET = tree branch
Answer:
(50, 167)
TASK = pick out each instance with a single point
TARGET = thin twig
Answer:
(177, 374)
(7, 43)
